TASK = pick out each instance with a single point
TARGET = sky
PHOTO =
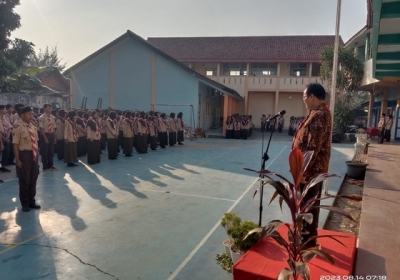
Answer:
(80, 27)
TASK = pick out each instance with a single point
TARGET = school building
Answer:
(377, 44)
(269, 72)
(131, 74)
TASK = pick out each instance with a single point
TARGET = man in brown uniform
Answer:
(172, 130)
(112, 135)
(48, 127)
(25, 139)
(314, 134)
(93, 137)
(381, 127)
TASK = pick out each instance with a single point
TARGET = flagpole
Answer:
(334, 72)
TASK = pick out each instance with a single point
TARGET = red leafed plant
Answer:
(290, 193)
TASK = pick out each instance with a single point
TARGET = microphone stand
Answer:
(264, 158)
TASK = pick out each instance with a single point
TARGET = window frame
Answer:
(296, 67)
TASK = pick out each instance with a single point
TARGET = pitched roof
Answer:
(244, 49)
(130, 34)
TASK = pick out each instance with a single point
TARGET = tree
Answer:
(46, 58)
(350, 70)
(9, 21)
(13, 53)
(349, 76)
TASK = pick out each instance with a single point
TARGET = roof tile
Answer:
(246, 49)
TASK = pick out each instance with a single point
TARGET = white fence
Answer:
(34, 100)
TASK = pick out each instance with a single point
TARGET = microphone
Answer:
(281, 113)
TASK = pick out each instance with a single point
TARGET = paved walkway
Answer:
(154, 216)
(379, 239)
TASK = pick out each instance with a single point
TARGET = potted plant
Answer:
(343, 117)
(225, 261)
(361, 136)
(240, 244)
(288, 192)
(229, 221)
(357, 167)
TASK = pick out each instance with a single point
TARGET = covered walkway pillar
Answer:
(384, 100)
(370, 109)
(230, 108)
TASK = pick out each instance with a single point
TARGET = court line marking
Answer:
(205, 238)
(193, 195)
(101, 207)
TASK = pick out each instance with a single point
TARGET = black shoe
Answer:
(26, 209)
(163, 147)
(180, 143)
(3, 169)
(128, 155)
(1, 181)
(71, 164)
(34, 206)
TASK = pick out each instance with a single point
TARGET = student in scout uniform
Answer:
(25, 139)
(93, 137)
(281, 122)
(153, 133)
(263, 120)
(55, 113)
(81, 129)
(156, 121)
(142, 131)
(388, 128)
(112, 135)
(120, 122)
(162, 130)
(236, 127)
(5, 138)
(70, 140)
(135, 118)
(243, 127)
(381, 127)
(102, 123)
(179, 128)
(229, 128)
(127, 129)
(16, 118)
(47, 126)
(172, 130)
(60, 134)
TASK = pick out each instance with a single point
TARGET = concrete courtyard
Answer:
(151, 216)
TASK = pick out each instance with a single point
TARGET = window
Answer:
(361, 53)
(234, 69)
(210, 69)
(316, 69)
(298, 69)
(263, 69)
